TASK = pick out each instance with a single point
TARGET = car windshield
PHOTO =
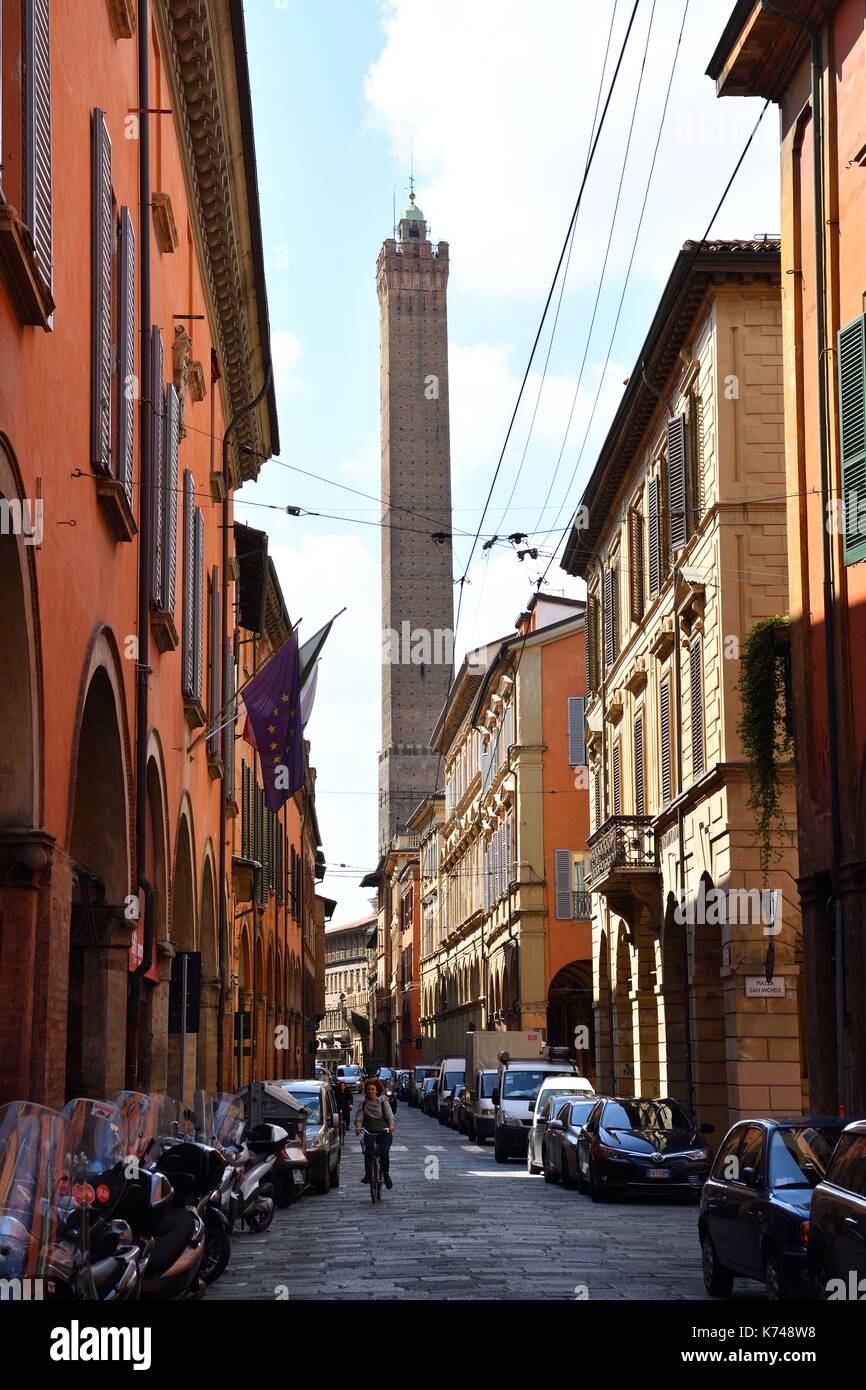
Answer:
(800, 1157)
(580, 1111)
(522, 1085)
(452, 1079)
(312, 1100)
(349, 1072)
(385, 1073)
(645, 1114)
(555, 1095)
(488, 1084)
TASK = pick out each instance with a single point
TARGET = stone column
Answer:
(206, 1051)
(157, 1044)
(105, 983)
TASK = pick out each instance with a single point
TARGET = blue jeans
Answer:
(381, 1143)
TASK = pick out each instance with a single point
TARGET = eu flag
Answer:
(273, 706)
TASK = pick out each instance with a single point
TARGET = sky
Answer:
(493, 104)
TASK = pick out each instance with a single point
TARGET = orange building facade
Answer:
(811, 61)
(128, 341)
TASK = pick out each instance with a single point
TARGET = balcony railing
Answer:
(581, 904)
(622, 843)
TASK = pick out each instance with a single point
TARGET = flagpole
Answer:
(212, 727)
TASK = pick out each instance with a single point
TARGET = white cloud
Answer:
(500, 143)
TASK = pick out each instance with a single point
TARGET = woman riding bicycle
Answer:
(375, 1116)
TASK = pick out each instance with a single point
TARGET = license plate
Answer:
(658, 1172)
(297, 1176)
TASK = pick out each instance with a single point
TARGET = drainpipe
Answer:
(144, 548)
(611, 1031)
(834, 905)
(225, 952)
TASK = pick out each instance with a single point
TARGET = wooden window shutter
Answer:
(851, 352)
(654, 519)
(596, 789)
(636, 564)
(169, 501)
(495, 843)
(214, 659)
(576, 732)
(614, 608)
(695, 460)
(608, 618)
(665, 727)
(590, 642)
(198, 603)
(617, 780)
(101, 251)
(278, 865)
(189, 561)
(157, 438)
(562, 872)
(37, 177)
(676, 471)
(697, 699)
(126, 355)
(232, 714)
(639, 795)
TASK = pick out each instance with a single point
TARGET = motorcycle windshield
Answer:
(96, 1152)
(35, 1191)
(203, 1108)
(228, 1120)
(138, 1117)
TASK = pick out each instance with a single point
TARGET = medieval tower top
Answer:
(417, 577)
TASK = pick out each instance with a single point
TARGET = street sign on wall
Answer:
(185, 979)
(758, 987)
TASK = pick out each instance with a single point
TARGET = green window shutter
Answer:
(851, 353)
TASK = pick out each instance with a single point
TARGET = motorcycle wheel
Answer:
(217, 1250)
(261, 1215)
(283, 1190)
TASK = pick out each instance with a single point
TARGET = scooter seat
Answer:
(171, 1236)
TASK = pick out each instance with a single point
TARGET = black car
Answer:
(837, 1226)
(754, 1220)
(428, 1096)
(641, 1145)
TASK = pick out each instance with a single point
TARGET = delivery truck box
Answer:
(483, 1049)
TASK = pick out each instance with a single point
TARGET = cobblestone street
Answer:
(478, 1230)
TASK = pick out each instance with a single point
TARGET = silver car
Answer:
(481, 1114)
(565, 1122)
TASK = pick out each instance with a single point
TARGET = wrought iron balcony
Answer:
(620, 847)
(581, 904)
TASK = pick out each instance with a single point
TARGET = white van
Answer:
(452, 1072)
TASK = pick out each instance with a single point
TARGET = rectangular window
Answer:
(101, 298)
(636, 564)
(639, 797)
(851, 353)
(37, 177)
(617, 779)
(562, 872)
(655, 568)
(126, 353)
(665, 733)
(676, 471)
(590, 638)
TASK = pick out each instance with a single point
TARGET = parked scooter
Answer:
(249, 1199)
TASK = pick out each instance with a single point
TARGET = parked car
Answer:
(455, 1107)
(561, 1123)
(351, 1074)
(642, 1144)
(416, 1082)
(837, 1223)
(478, 1104)
(428, 1096)
(552, 1087)
(403, 1078)
(451, 1074)
(517, 1085)
(323, 1140)
(754, 1220)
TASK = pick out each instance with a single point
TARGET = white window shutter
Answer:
(562, 884)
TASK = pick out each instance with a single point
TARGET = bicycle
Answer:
(375, 1169)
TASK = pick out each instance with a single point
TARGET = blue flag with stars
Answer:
(273, 701)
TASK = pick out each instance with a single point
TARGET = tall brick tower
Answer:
(417, 580)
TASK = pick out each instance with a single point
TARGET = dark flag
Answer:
(273, 724)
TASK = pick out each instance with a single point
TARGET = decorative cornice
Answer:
(194, 34)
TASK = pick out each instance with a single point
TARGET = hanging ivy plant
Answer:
(765, 728)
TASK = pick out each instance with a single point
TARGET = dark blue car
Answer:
(754, 1217)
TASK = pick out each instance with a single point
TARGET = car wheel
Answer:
(498, 1152)
(819, 1278)
(323, 1184)
(596, 1191)
(283, 1185)
(335, 1176)
(480, 1138)
(531, 1167)
(549, 1175)
(565, 1177)
(773, 1278)
(718, 1280)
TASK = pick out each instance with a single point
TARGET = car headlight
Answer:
(314, 1140)
(508, 1119)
